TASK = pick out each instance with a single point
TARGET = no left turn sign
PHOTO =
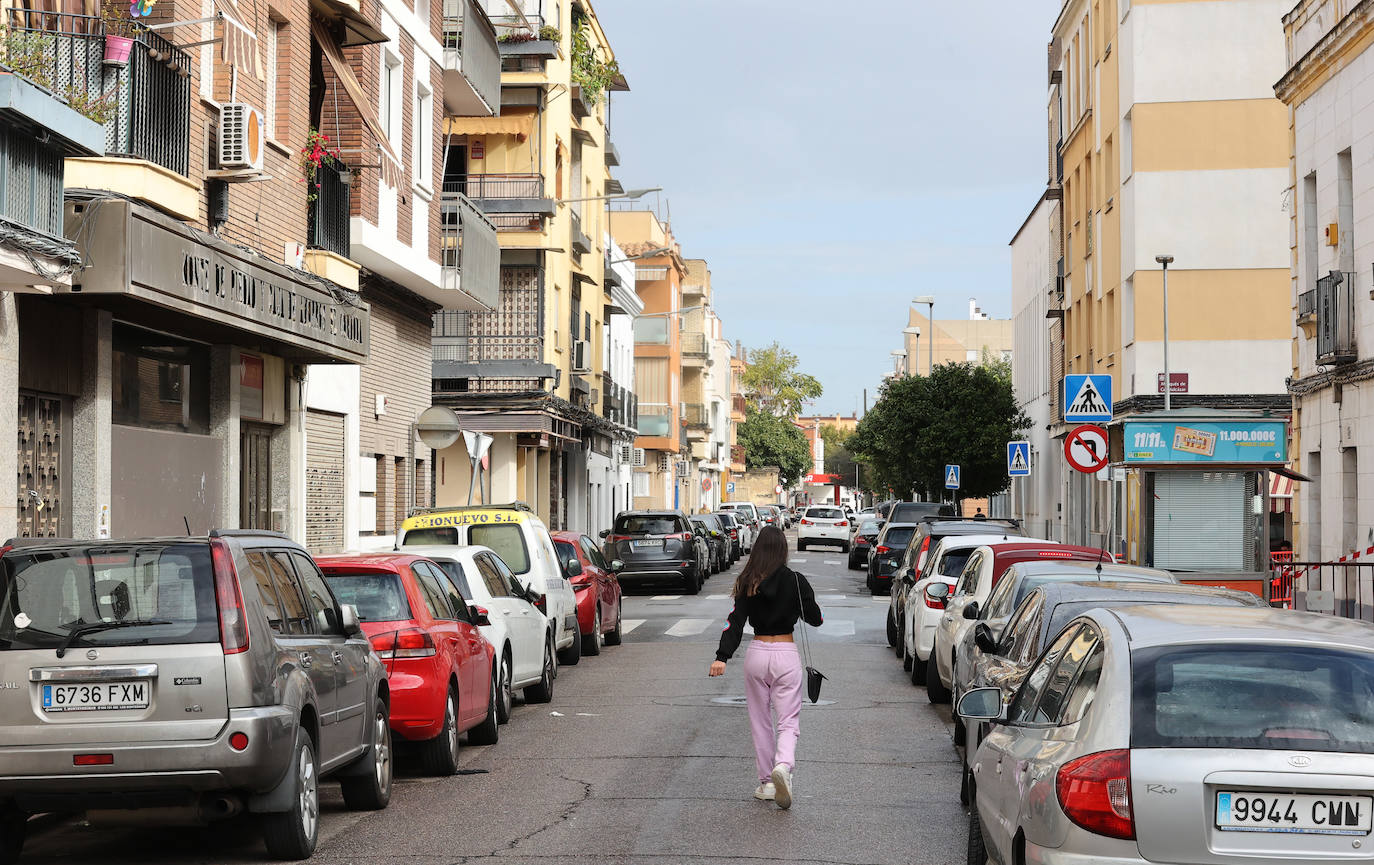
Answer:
(1086, 448)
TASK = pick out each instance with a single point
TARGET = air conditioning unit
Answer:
(240, 136)
(626, 454)
(637, 457)
(664, 463)
(582, 356)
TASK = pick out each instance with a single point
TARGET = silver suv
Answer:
(208, 675)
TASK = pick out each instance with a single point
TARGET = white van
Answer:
(748, 511)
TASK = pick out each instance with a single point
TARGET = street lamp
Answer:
(627, 194)
(897, 357)
(916, 352)
(929, 300)
(1165, 261)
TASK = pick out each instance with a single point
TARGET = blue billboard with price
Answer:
(1240, 442)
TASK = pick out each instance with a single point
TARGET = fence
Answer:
(1341, 588)
(327, 225)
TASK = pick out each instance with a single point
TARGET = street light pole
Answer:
(1165, 261)
(929, 301)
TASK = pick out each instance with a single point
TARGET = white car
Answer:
(521, 635)
(749, 513)
(520, 538)
(826, 525)
(924, 605)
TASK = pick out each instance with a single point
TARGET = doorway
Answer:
(255, 477)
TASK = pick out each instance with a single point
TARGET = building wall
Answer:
(1033, 499)
(956, 340)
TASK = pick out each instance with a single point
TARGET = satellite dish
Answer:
(438, 427)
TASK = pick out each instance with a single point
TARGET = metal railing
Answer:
(581, 244)
(737, 454)
(1336, 318)
(514, 331)
(694, 344)
(696, 414)
(327, 222)
(1307, 303)
(148, 101)
(491, 186)
(470, 254)
(30, 181)
(738, 404)
(655, 419)
(1344, 589)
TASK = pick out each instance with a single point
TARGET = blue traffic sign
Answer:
(951, 477)
(1018, 459)
(1087, 398)
(730, 487)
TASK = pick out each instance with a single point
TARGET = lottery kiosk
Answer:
(1198, 487)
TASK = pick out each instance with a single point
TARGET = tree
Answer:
(839, 460)
(772, 383)
(770, 441)
(961, 414)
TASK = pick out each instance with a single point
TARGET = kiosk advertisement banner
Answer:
(1230, 442)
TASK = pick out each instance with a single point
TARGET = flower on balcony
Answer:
(515, 37)
(588, 70)
(120, 22)
(33, 55)
(318, 151)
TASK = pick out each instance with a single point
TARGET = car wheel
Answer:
(293, 834)
(613, 636)
(693, 584)
(907, 660)
(542, 691)
(371, 791)
(891, 629)
(935, 689)
(960, 731)
(872, 586)
(964, 775)
(900, 648)
(439, 756)
(13, 827)
(572, 654)
(591, 644)
(977, 851)
(801, 547)
(918, 669)
(489, 731)
(506, 692)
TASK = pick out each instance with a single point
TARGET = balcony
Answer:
(581, 244)
(145, 106)
(738, 406)
(651, 331)
(472, 61)
(693, 295)
(695, 350)
(515, 202)
(581, 107)
(327, 223)
(696, 415)
(655, 419)
(612, 155)
(1307, 307)
(470, 256)
(1336, 318)
(498, 352)
(737, 457)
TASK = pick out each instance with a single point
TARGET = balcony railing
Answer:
(30, 182)
(482, 187)
(738, 404)
(495, 352)
(581, 244)
(328, 219)
(696, 414)
(147, 102)
(737, 454)
(1336, 318)
(651, 331)
(470, 51)
(470, 253)
(694, 345)
(655, 419)
(1307, 304)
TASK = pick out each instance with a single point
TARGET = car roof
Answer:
(947, 527)
(567, 536)
(1166, 625)
(968, 542)
(380, 561)
(1092, 571)
(1117, 590)
(651, 512)
(450, 551)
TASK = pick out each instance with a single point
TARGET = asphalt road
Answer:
(642, 760)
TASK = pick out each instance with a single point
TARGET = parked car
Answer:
(441, 670)
(912, 567)
(112, 642)
(717, 541)
(863, 541)
(980, 577)
(750, 514)
(771, 515)
(1181, 734)
(658, 547)
(915, 512)
(1000, 659)
(597, 588)
(521, 540)
(823, 524)
(519, 630)
(886, 555)
(736, 531)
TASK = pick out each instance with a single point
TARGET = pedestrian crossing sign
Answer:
(1087, 398)
(1018, 459)
(951, 477)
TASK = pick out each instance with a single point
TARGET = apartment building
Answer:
(956, 340)
(529, 372)
(1330, 197)
(705, 388)
(1167, 141)
(738, 364)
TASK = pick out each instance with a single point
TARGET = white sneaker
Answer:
(782, 784)
(765, 792)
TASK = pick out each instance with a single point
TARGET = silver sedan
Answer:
(1181, 734)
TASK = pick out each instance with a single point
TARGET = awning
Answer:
(1281, 492)
(516, 120)
(1286, 472)
(390, 163)
(356, 29)
(238, 45)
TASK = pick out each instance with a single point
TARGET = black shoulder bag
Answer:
(814, 677)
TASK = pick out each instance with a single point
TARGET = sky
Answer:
(832, 161)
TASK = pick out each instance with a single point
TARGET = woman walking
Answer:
(771, 598)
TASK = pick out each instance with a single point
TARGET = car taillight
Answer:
(542, 604)
(932, 602)
(921, 553)
(806, 522)
(406, 643)
(233, 622)
(734, 533)
(1095, 793)
(883, 548)
(842, 523)
(861, 540)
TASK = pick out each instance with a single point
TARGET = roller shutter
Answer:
(1201, 520)
(324, 482)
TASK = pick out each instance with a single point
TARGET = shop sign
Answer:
(1178, 382)
(1234, 442)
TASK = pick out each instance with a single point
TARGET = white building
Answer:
(610, 478)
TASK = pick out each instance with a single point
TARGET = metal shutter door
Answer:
(324, 482)
(1201, 521)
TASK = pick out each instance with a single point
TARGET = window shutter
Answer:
(1201, 521)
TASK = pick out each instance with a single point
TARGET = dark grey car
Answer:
(658, 547)
(204, 676)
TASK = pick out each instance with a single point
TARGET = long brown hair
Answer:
(769, 554)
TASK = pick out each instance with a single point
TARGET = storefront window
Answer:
(160, 381)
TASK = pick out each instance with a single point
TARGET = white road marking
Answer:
(879, 599)
(832, 561)
(717, 597)
(666, 598)
(831, 597)
(691, 627)
(797, 561)
(838, 627)
(628, 625)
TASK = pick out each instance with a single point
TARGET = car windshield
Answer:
(647, 524)
(445, 536)
(952, 563)
(46, 594)
(1267, 697)
(507, 541)
(379, 597)
(825, 514)
(870, 527)
(899, 536)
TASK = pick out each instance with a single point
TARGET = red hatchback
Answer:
(597, 589)
(439, 666)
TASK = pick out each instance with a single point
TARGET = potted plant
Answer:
(319, 151)
(120, 30)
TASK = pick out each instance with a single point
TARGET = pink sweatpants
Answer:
(773, 683)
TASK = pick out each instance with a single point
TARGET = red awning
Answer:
(1280, 493)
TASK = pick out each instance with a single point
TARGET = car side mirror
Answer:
(604, 533)
(909, 575)
(479, 615)
(938, 591)
(983, 638)
(971, 611)
(981, 704)
(348, 616)
(572, 568)
(617, 566)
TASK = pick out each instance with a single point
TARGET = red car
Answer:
(597, 589)
(440, 668)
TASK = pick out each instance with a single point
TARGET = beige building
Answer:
(956, 340)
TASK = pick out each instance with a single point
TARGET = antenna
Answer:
(1103, 555)
(185, 520)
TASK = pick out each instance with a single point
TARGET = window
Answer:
(1081, 697)
(317, 594)
(999, 602)
(444, 536)
(1029, 694)
(378, 597)
(491, 577)
(593, 554)
(389, 101)
(160, 382)
(436, 601)
(1027, 645)
(295, 618)
(267, 591)
(273, 46)
(422, 133)
(968, 579)
(507, 541)
(1059, 683)
(456, 574)
(455, 599)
